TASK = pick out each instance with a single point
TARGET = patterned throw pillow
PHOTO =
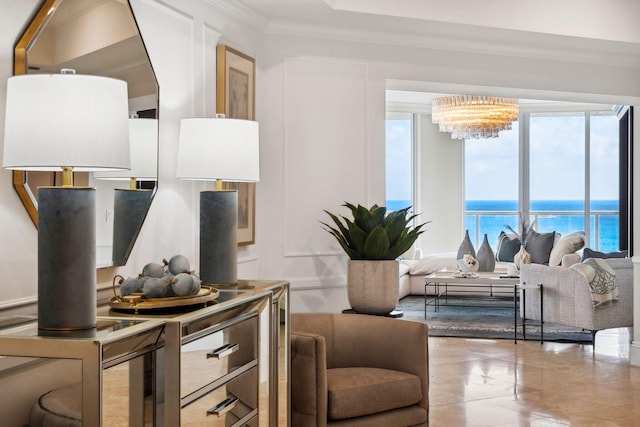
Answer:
(508, 246)
(601, 278)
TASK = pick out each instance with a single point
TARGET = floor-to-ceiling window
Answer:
(399, 160)
(561, 170)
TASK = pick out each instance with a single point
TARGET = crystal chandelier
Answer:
(473, 116)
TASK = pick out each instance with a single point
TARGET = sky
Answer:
(557, 160)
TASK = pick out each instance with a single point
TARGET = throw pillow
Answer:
(589, 253)
(539, 246)
(435, 262)
(566, 245)
(508, 246)
(601, 278)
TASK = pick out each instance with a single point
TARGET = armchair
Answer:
(358, 370)
(567, 298)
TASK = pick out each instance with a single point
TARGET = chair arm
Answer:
(308, 380)
(567, 298)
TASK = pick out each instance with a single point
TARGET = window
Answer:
(562, 171)
(491, 185)
(399, 161)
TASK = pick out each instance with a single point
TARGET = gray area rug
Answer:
(482, 318)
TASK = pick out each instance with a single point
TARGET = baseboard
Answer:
(634, 353)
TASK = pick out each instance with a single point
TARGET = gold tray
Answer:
(138, 302)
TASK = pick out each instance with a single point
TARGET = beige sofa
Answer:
(568, 301)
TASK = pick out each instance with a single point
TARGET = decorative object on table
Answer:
(473, 116)
(161, 280)
(374, 240)
(66, 122)
(522, 257)
(161, 285)
(486, 257)
(130, 205)
(218, 149)
(524, 229)
(235, 98)
(465, 275)
(468, 263)
(466, 247)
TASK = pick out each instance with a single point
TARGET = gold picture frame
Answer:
(235, 98)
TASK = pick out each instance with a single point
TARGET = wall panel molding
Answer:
(325, 140)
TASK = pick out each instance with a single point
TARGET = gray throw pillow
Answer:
(508, 246)
(589, 253)
(539, 246)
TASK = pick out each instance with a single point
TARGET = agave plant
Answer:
(372, 234)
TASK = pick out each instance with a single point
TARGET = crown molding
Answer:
(431, 35)
(241, 12)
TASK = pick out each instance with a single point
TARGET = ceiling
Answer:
(590, 30)
(613, 20)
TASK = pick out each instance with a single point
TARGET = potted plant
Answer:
(373, 240)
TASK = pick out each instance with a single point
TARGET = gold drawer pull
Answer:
(223, 351)
(223, 407)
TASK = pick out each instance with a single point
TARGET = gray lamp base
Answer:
(66, 258)
(130, 207)
(219, 237)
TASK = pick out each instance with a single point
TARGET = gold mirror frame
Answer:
(21, 66)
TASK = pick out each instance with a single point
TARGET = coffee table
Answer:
(481, 283)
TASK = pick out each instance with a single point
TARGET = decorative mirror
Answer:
(99, 37)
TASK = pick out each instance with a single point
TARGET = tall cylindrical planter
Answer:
(486, 257)
(373, 286)
(219, 237)
(67, 298)
(466, 247)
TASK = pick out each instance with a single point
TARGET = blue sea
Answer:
(562, 216)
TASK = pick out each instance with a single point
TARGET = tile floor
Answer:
(498, 383)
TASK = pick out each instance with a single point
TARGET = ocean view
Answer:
(551, 215)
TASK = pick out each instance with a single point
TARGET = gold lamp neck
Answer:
(67, 176)
(218, 184)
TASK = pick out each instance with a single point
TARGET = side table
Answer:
(523, 287)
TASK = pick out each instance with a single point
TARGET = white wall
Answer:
(441, 189)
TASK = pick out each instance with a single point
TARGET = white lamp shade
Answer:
(220, 148)
(143, 140)
(56, 120)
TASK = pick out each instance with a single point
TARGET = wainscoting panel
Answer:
(325, 131)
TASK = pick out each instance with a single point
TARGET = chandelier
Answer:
(473, 116)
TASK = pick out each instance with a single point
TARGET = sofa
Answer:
(568, 299)
(413, 272)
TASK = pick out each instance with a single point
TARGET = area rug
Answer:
(483, 318)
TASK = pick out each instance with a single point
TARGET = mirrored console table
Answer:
(223, 364)
(84, 357)
(227, 364)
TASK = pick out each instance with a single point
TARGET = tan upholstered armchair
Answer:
(358, 370)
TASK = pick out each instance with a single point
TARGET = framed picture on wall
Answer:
(235, 98)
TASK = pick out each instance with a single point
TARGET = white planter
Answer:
(373, 286)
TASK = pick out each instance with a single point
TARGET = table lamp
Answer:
(71, 123)
(130, 205)
(218, 149)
